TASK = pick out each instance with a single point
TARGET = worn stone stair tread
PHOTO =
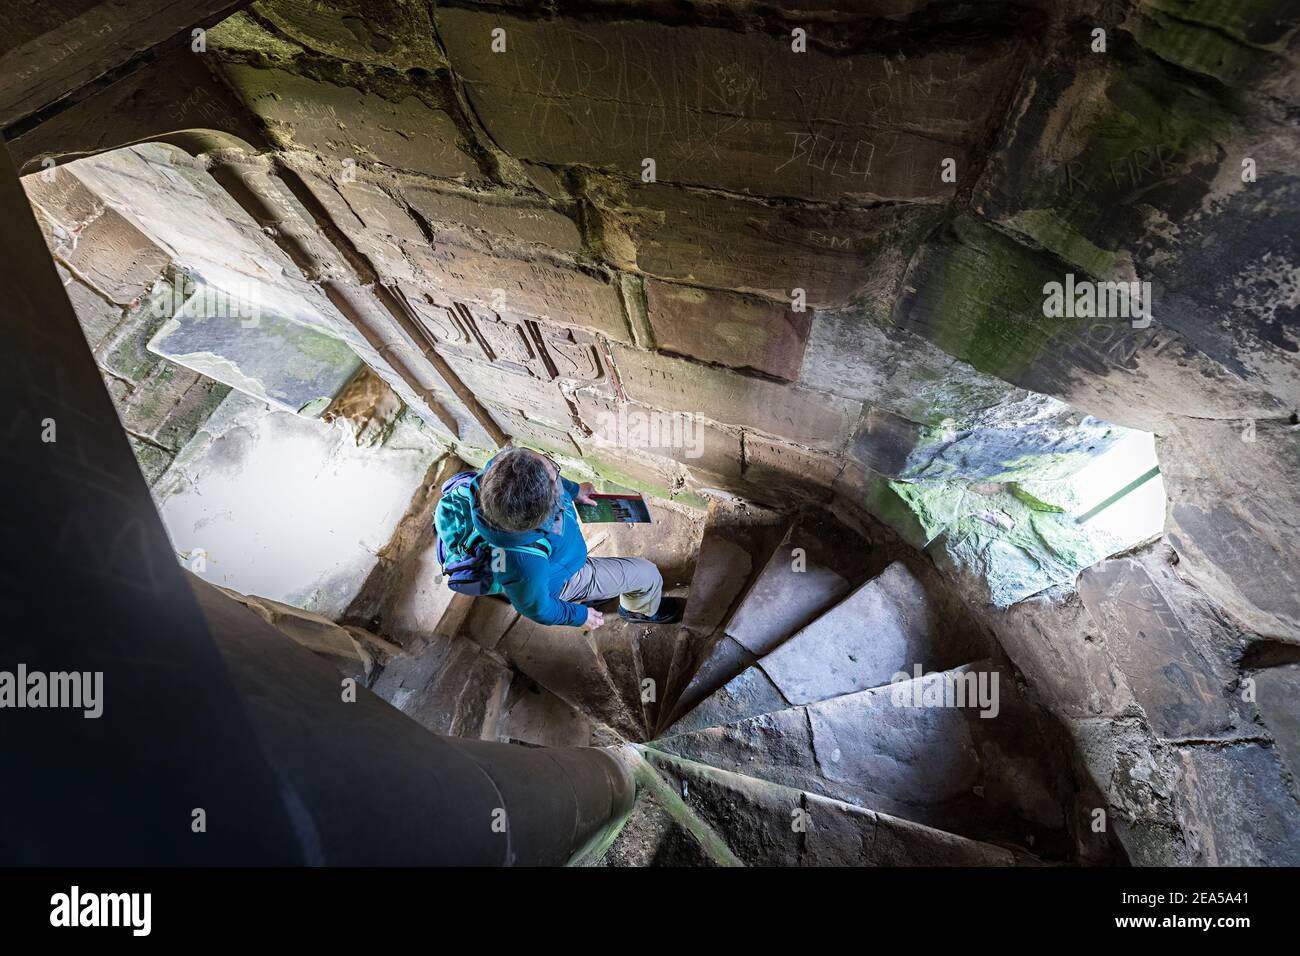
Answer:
(569, 663)
(429, 684)
(887, 625)
(942, 766)
(749, 693)
(478, 707)
(485, 620)
(736, 541)
(780, 601)
(618, 643)
(770, 824)
(784, 598)
(531, 714)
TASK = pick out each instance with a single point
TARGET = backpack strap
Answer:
(541, 547)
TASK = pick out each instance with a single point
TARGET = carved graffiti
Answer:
(508, 342)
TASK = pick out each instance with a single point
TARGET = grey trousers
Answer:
(635, 581)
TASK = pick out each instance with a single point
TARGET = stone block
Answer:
(567, 662)
(276, 360)
(536, 434)
(786, 411)
(187, 415)
(479, 704)
(98, 318)
(339, 122)
(750, 693)
(1148, 143)
(808, 573)
(1062, 652)
(723, 660)
(776, 747)
(153, 461)
(1237, 545)
(884, 627)
(533, 715)
(905, 374)
(374, 210)
(381, 33)
(903, 843)
(637, 429)
(382, 249)
(126, 353)
(884, 441)
(533, 288)
(493, 217)
(755, 815)
(544, 401)
(918, 756)
(548, 180)
(723, 568)
(95, 240)
(151, 400)
(728, 242)
(617, 470)
(1184, 692)
(977, 295)
(734, 330)
(486, 621)
(427, 685)
(1277, 690)
(313, 631)
(731, 108)
(1243, 808)
(770, 466)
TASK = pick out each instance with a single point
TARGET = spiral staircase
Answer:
(768, 727)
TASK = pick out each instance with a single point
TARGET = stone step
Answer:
(887, 625)
(817, 562)
(738, 537)
(483, 620)
(769, 824)
(597, 672)
(450, 686)
(893, 749)
(619, 644)
(531, 714)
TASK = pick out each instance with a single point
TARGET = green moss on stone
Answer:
(1214, 38)
(984, 300)
(1037, 504)
(1047, 227)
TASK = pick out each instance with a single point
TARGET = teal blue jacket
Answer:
(532, 582)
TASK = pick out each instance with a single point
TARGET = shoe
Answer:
(670, 612)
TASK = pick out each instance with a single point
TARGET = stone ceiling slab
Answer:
(341, 122)
(734, 330)
(736, 110)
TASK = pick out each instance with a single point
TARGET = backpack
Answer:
(463, 554)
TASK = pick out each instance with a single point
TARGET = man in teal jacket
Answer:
(520, 498)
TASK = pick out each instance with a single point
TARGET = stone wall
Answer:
(114, 275)
(584, 216)
(797, 267)
(504, 196)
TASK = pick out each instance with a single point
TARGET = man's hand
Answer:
(585, 491)
(594, 618)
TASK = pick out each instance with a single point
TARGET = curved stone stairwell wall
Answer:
(543, 278)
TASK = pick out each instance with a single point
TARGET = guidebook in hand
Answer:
(624, 509)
